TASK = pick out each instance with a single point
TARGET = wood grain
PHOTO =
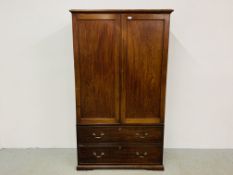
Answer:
(120, 59)
(143, 55)
(153, 11)
(98, 76)
(119, 134)
(120, 154)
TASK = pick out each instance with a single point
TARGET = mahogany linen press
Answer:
(120, 59)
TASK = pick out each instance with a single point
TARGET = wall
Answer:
(37, 104)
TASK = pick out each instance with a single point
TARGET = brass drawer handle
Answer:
(141, 155)
(98, 137)
(98, 156)
(142, 136)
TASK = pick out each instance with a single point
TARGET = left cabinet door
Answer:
(96, 40)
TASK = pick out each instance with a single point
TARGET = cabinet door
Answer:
(144, 60)
(96, 49)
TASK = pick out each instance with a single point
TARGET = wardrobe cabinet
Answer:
(120, 61)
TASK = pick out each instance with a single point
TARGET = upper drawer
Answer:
(94, 134)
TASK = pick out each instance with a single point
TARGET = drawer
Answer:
(120, 154)
(97, 134)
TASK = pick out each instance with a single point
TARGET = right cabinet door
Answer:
(144, 60)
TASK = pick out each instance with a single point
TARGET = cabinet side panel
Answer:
(76, 65)
(164, 67)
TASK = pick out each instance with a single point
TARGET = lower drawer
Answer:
(120, 154)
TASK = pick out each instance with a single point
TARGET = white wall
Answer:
(37, 103)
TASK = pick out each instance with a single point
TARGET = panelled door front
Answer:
(142, 60)
(97, 73)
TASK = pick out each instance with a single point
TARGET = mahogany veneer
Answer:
(120, 61)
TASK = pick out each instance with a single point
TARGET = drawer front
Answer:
(97, 134)
(120, 154)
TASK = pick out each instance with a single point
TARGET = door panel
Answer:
(142, 66)
(97, 72)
